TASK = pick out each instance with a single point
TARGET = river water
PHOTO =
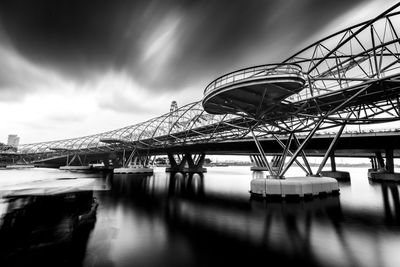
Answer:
(210, 220)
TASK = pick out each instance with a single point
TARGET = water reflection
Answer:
(186, 184)
(391, 200)
(209, 220)
(185, 220)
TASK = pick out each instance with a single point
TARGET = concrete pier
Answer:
(381, 171)
(76, 168)
(294, 186)
(186, 170)
(133, 170)
(186, 163)
(384, 176)
(19, 166)
(259, 169)
(342, 176)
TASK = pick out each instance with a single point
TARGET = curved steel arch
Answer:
(364, 57)
(187, 124)
(352, 75)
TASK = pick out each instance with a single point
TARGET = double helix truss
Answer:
(187, 125)
(351, 77)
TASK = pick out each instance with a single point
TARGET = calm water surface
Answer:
(210, 220)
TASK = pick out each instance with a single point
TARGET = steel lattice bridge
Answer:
(351, 77)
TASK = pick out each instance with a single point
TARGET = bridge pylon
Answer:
(293, 151)
(350, 77)
(343, 176)
(135, 163)
(383, 168)
(273, 84)
(186, 163)
(74, 162)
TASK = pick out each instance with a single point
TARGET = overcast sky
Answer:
(71, 67)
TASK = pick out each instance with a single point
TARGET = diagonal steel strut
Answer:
(291, 154)
(285, 151)
(332, 146)
(128, 162)
(303, 155)
(301, 147)
(262, 153)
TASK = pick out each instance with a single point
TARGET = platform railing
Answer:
(253, 72)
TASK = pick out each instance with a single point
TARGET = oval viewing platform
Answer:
(253, 90)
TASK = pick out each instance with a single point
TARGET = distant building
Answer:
(174, 106)
(13, 140)
(173, 113)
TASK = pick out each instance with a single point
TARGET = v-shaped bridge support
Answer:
(292, 149)
(187, 162)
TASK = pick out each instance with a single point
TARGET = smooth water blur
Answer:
(210, 220)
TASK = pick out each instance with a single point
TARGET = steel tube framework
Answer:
(351, 76)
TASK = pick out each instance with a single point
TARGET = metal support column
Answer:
(331, 148)
(380, 161)
(291, 154)
(389, 160)
(285, 151)
(189, 160)
(261, 150)
(200, 160)
(304, 157)
(258, 161)
(301, 147)
(333, 162)
(251, 158)
(373, 163)
(123, 158)
(128, 162)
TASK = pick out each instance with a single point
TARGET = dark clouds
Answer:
(73, 36)
(164, 45)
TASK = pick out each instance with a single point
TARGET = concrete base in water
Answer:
(75, 168)
(187, 170)
(19, 166)
(256, 168)
(383, 176)
(142, 170)
(338, 175)
(294, 186)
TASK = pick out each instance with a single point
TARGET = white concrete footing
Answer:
(141, 170)
(186, 170)
(338, 175)
(257, 168)
(19, 166)
(76, 168)
(294, 186)
(384, 176)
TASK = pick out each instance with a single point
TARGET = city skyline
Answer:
(70, 70)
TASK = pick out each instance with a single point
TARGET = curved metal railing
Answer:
(252, 73)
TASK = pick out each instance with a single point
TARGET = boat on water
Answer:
(46, 226)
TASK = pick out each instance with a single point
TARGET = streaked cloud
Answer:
(81, 67)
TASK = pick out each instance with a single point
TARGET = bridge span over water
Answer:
(351, 77)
